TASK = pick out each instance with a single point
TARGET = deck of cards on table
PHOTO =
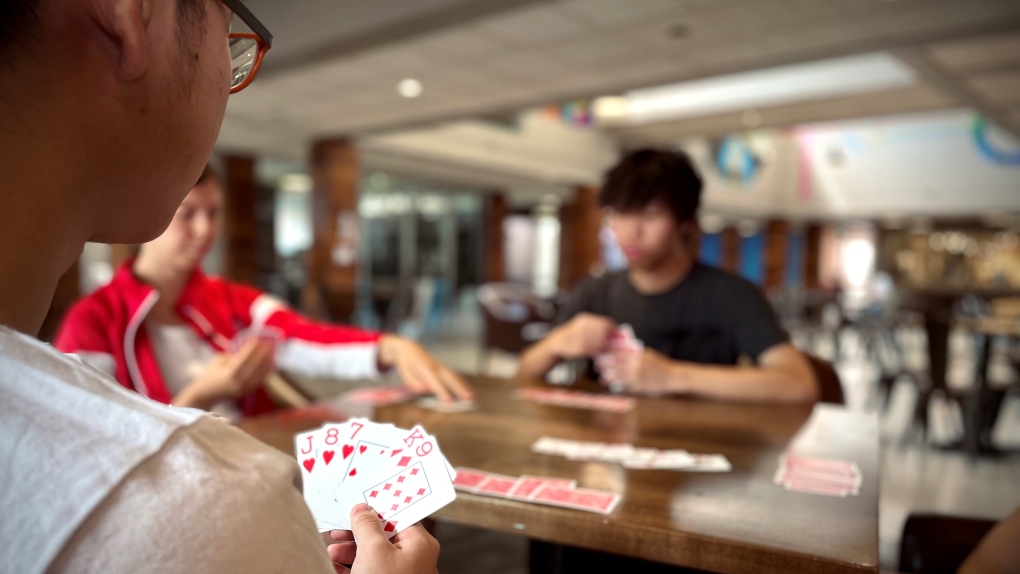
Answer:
(812, 475)
(631, 456)
(578, 399)
(400, 473)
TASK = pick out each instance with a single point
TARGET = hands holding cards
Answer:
(420, 371)
(412, 551)
(400, 473)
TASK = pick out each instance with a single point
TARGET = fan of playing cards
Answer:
(400, 473)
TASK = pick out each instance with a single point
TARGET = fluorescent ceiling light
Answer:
(770, 87)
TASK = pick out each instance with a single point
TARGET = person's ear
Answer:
(125, 25)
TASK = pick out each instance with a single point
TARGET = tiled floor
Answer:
(915, 477)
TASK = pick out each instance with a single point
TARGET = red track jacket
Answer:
(107, 330)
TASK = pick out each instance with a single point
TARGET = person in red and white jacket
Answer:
(165, 329)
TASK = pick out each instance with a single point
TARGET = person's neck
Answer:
(43, 229)
(663, 276)
(166, 279)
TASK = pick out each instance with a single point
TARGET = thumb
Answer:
(366, 526)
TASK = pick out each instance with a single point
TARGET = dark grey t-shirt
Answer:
(711, 316)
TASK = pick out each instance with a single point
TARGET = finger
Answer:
(412, 382)
(341, 536)
(367, 528)
(410, 534)
(343, 552)
(429, 378)
(341, 569)
(457, 384)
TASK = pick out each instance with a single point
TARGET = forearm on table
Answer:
(755, 384)
(538, 359)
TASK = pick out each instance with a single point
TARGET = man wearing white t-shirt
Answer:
(100, 99)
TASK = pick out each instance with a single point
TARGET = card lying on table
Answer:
(400, 473)
(825, 476)
(578, 399)
(538, 489)
(632, 457)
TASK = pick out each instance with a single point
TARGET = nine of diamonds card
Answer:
(400, 473)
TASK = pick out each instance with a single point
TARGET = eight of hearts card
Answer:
(400, 473)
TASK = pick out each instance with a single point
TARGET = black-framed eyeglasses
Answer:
(246, 50)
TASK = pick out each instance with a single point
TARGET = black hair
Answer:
(646, 175)
(18, 19)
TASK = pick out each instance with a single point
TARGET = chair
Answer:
(829, 386)
(935, 544)
(514, 318)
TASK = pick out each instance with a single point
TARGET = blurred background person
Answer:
(165, 329)
(695, 321)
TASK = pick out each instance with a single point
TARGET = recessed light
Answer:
(409, 88)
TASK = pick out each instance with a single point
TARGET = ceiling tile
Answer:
(615, 12)
(975, 53)
(998, 88)
(533, 25)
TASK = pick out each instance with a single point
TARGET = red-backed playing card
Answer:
(526, 486)
(468, 479)
(579, 499)
(496, 485)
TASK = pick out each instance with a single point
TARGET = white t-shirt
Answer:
(97, 478)
(181, 355)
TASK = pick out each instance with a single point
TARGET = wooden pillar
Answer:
(812, 255)
(334, 253)
(240, 226)
(777, 239)
(730, 249)
(67, 292)
(495, 261)
(580, 250)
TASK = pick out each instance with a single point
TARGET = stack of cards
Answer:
(400, 473)
(622, 339)
(437, 405)
(632, 457)
(376, 396)
(578, 399)
(826, 476)
(538, 489)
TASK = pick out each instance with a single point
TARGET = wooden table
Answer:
(729, 522)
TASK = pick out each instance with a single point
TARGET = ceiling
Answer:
(334, 67)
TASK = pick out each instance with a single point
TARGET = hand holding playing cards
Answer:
(229, 376)
(645, 372)
(584, 336)
(412, 551)
(420, 371)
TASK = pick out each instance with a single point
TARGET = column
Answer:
(812, 255)
(495, 257)
(334, 255)
(580, 250)
(240, 226)
(776, 249)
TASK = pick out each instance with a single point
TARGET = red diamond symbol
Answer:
(397, 493)
(404, 460)
(421, 491)
(395, 506)
(414, 471)
(390, 527)
(408, 499)
(374, 494)
(401, 479)
(387, 487)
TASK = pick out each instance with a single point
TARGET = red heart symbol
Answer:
(362, 449)
(327, 455)
(309, 463)
(353, 472)
(348, 449)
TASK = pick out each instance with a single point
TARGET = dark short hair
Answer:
(18, 19)
(646, 175)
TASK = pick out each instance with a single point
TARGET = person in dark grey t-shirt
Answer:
(695, 321)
